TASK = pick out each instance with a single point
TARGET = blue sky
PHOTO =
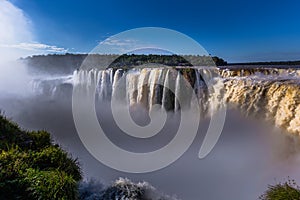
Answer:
(235, 30)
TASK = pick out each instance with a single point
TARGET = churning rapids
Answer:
(269, 93)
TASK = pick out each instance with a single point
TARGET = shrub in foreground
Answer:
(282, 191)
(54, 184)
(31, 167)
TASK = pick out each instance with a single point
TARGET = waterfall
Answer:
(142, 97)
(168, 96)
(104, 83)
(273, 100)
(131, 87)
(154, 87)
(178, 97)
(146, 87)
(119, 86)
(273, 94)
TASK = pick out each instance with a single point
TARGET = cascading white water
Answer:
(118, 87)
(142, 97)
(153, 83)
(146, 87)
(104, 86)
(178, 92)
(131, 88)
(167, 95)
(254, 91)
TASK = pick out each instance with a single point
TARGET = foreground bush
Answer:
(31, 167)
(54, 184)
(51, 158)
(282, 191)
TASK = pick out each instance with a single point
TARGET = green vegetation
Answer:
(31, 167)
(278, 63)
(282, 191)
(67, 63)
(168, 60)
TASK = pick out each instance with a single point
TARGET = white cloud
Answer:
(16, 35)
(15, 27)
(118, 45)
(119, 42)
(36, 47)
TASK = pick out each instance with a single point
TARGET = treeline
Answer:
(67, 63)
(54, 64)
(168, 60)
(278, 63)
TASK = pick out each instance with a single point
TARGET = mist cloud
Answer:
(17, 40)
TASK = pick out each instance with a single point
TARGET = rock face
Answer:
(270, 93)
